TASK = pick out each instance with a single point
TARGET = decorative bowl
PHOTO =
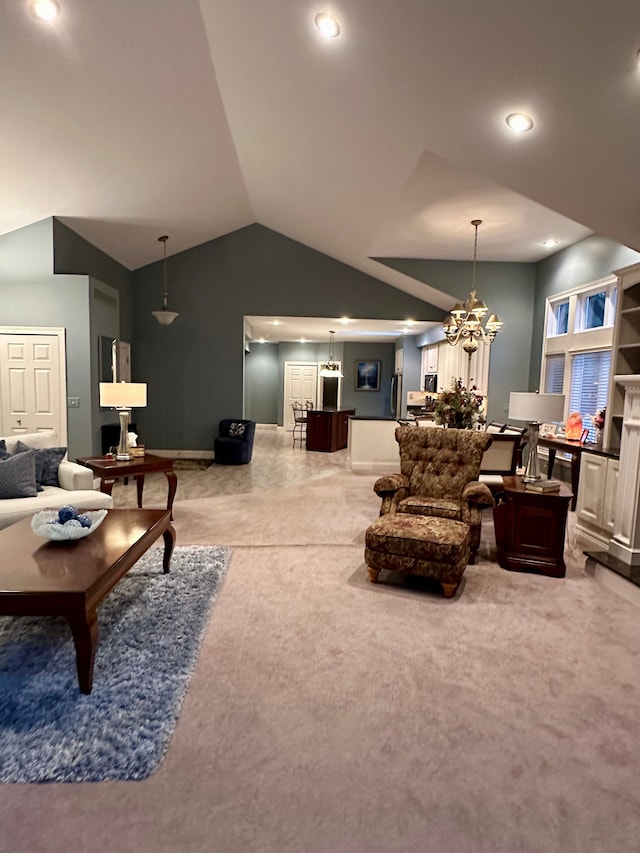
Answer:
(42, 525)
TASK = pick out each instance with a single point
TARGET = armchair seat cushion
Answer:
(438, 507)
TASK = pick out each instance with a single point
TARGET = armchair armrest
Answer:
(478, 493)
(74, 477)
(390, 483)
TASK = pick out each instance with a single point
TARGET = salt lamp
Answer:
(573, 430)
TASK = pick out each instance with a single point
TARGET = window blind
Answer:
(554, 374)
(589, 385)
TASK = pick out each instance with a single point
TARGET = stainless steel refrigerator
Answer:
(396, 395)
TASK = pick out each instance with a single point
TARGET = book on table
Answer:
(543, 486)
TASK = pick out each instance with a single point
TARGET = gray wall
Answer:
(194, 368)
(589, 260)
(26, 254)
(73, 254)
(60, 301)
(509, 289)
(262, 383)
(375, 404)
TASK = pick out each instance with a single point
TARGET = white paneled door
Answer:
(30, 389)
(300, 382)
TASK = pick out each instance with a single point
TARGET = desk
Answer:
(565, 446)
(109, 470)
(530, 529)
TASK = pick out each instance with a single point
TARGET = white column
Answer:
(625, 544)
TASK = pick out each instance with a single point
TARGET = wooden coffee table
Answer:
(43, 578)
(110, 469)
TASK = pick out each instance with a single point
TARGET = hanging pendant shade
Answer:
(331, 370)
(165, 317)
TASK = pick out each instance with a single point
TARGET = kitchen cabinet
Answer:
(328, 431)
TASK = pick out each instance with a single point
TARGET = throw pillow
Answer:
(18, 476)
(48, 461)
(236, 429)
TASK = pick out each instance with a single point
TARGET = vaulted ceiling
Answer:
(132, 119)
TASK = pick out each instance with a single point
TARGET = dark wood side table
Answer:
(109, 470)
(565, 446)
(530, 528)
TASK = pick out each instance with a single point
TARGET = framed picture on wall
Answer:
(368, 375)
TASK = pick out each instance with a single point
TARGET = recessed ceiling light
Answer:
(302, 340)
(344, 320)
(261, 341)
(519, 122)
(409, 322)
(45, 10)
(327, 25)
(276, 323)
(549, 244)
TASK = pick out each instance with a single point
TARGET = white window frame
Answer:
(577, 340)
(610, 291)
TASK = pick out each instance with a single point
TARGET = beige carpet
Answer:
(329, 715)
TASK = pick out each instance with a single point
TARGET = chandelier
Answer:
(165, 317)
(464, 323)
(331, 370)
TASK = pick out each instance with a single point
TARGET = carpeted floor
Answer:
(329, 715)
(151, 627)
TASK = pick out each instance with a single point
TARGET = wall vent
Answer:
(106, 298)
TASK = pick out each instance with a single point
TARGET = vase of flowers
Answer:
(458, 407)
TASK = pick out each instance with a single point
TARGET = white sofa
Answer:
(76, 484)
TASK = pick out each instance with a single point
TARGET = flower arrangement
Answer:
(598, 419)
(459, 407)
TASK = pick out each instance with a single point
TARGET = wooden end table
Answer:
(530, 528)
(110, 469)
(70, 579)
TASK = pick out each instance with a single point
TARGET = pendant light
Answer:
(165, 317)
(331, 370)
(464, 322)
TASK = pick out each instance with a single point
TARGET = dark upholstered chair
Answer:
(234, 446)
(439, 477)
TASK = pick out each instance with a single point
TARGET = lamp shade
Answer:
(123, 395)
(540, 408)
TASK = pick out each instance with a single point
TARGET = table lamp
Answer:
(123, 396)
(535, 408)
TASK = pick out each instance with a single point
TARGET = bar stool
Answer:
(300, 411)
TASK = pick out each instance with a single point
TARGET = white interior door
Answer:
(300, 382)
(31, 384)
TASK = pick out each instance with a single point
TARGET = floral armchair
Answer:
(439, 477)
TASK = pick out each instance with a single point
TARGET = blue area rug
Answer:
(151, 626)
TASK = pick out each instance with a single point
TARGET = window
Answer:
(576, 355)
(558, 318)
(589, 386)
(554, 374)
(594, 310)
